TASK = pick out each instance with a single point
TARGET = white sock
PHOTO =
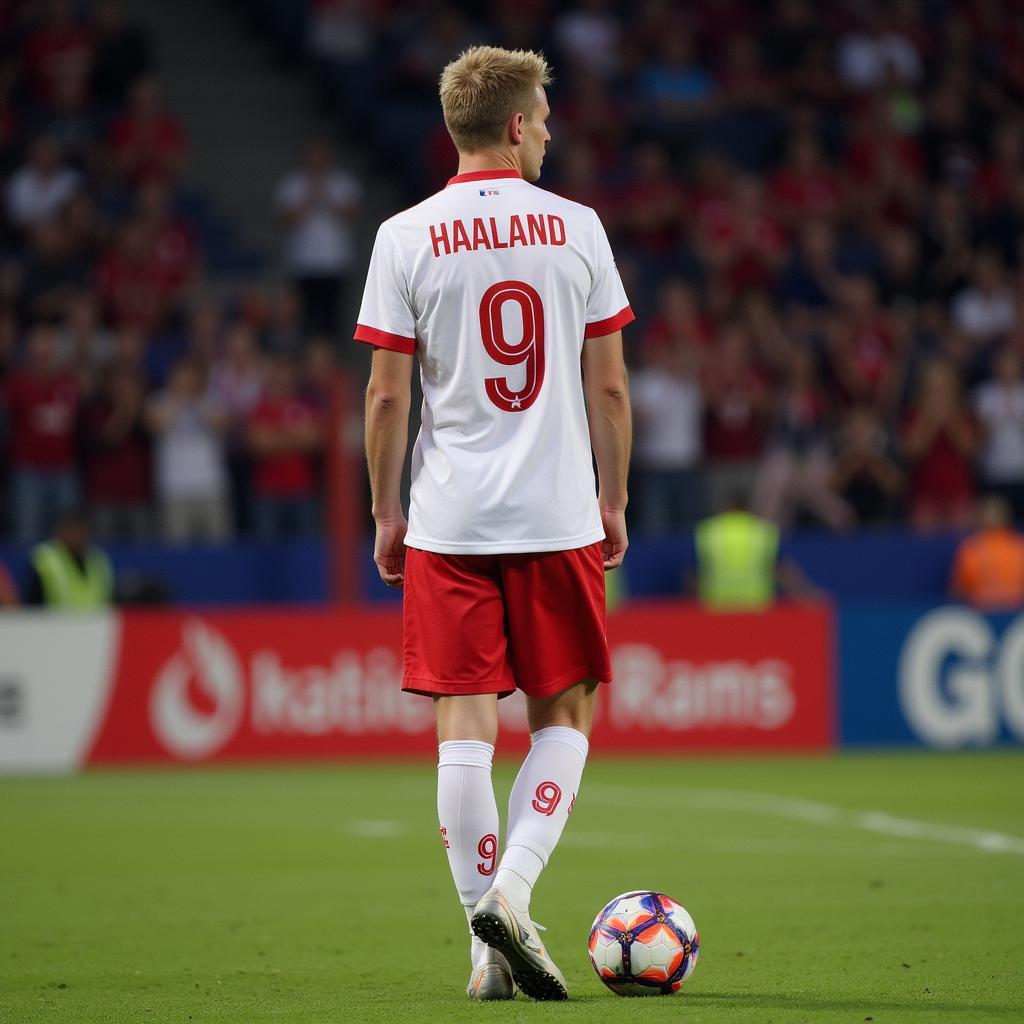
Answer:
(469, 822)
(538, 807)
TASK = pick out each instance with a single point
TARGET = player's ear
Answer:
(515, 129)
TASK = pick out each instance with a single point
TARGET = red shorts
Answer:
(491, 623)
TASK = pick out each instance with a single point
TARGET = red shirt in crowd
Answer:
(134, 292)
(661, 331)
(807, 195)
(52, 54)
(116, 474)
(42, 415)
(864, 361)
(734, 426)
(284, 474)
(174, 252)
(942, 477)
(147, 147)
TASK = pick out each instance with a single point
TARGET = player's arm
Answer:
(388, 398)
(611, 434)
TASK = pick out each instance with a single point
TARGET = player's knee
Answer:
(472, 717)
(572, 708)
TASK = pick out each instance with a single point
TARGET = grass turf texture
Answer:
(302, 895)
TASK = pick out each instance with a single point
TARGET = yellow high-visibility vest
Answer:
(68, 586)
(736, 559)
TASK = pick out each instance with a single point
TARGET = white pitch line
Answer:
(811, 811)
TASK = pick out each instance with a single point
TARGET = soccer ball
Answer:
(644, 944)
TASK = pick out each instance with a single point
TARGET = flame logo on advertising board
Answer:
(207, 660)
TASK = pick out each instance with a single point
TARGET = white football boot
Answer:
(491, 980)
(515, 936)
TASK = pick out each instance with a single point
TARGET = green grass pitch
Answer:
(858, 888)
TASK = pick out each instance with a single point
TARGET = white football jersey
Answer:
(495, 283)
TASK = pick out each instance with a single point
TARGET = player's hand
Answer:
(389, 551)
(615, 542)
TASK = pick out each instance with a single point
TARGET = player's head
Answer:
(494, 100)
(71, 528)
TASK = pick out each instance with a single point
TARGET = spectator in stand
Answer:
(796, 472)
(986, 309)
(237, 377)
(39, 190)
(174, 248)
(902, 280)
(58, 49)
(999, 407)
(132, 281)
(737, 408)
(650, 208)
(588, 35)
(122, 56)
(865, 360)
(285, 433)
(679, 319)
(237, 381)
(84, 226)
(988, 568)
(319, 373)
(676, 89)
(73, 123)
(283, 334)
(805, 187)
(55, 274)
(116, 458)
(84, 344)
(188, 427)
(947, 230)
(318, 203)
(146, 141)
(940, 438)
(874, 47)
(42, 403)
(204, 333)
(668, 411)
(867, 475)
(810, 283)
(744, 244)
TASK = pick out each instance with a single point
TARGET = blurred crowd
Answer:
(816, 210)
(124, 386)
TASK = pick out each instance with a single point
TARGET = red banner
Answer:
(323, 684)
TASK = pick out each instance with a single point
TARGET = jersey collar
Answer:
(482, 176)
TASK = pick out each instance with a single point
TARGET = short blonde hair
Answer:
(483, 87)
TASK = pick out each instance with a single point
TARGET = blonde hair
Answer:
(483, 87)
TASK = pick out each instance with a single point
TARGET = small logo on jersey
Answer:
(489, 192)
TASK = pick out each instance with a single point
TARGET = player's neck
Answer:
(489, 160)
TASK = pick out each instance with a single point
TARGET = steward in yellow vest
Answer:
(68, 574)
(737, 557)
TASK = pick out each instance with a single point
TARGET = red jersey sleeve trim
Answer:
(482, 176)
(382, 339)
(599, 328)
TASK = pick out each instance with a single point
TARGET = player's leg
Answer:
(542, 797)
(467, 727)
(545, 788)
(455, 652)
(556, 619)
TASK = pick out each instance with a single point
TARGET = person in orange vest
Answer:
(988, 569)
